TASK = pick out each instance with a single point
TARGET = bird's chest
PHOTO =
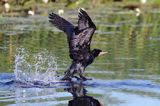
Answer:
(89, 59)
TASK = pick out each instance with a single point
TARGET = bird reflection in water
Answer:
(80, 97)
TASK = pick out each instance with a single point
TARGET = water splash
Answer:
(38, 67)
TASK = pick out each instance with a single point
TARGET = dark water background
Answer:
(128, 75)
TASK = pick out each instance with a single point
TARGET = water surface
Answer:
(32, 49)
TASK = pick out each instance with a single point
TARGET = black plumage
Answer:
(79, 40)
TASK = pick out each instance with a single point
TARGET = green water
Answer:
(133, 44)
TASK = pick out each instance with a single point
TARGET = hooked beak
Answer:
(102, 53)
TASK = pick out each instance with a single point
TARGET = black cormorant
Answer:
(79, 40)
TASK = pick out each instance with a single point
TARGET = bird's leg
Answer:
(66, 78)
(80, 72)
(68, 75)
(84, 78)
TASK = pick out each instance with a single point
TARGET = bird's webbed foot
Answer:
(84, 78)
(76, 77)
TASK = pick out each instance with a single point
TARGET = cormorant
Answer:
(79, 40)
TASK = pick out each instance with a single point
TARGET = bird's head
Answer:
(98, 52)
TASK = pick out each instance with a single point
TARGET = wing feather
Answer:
(79, 38)
(86, 28)
(80, 44)
(61, 23)
(84, 21)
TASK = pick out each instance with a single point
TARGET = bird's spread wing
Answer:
(79, 38)
(84, 21)
(86, 28)
(61, 23)
(80, 44)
